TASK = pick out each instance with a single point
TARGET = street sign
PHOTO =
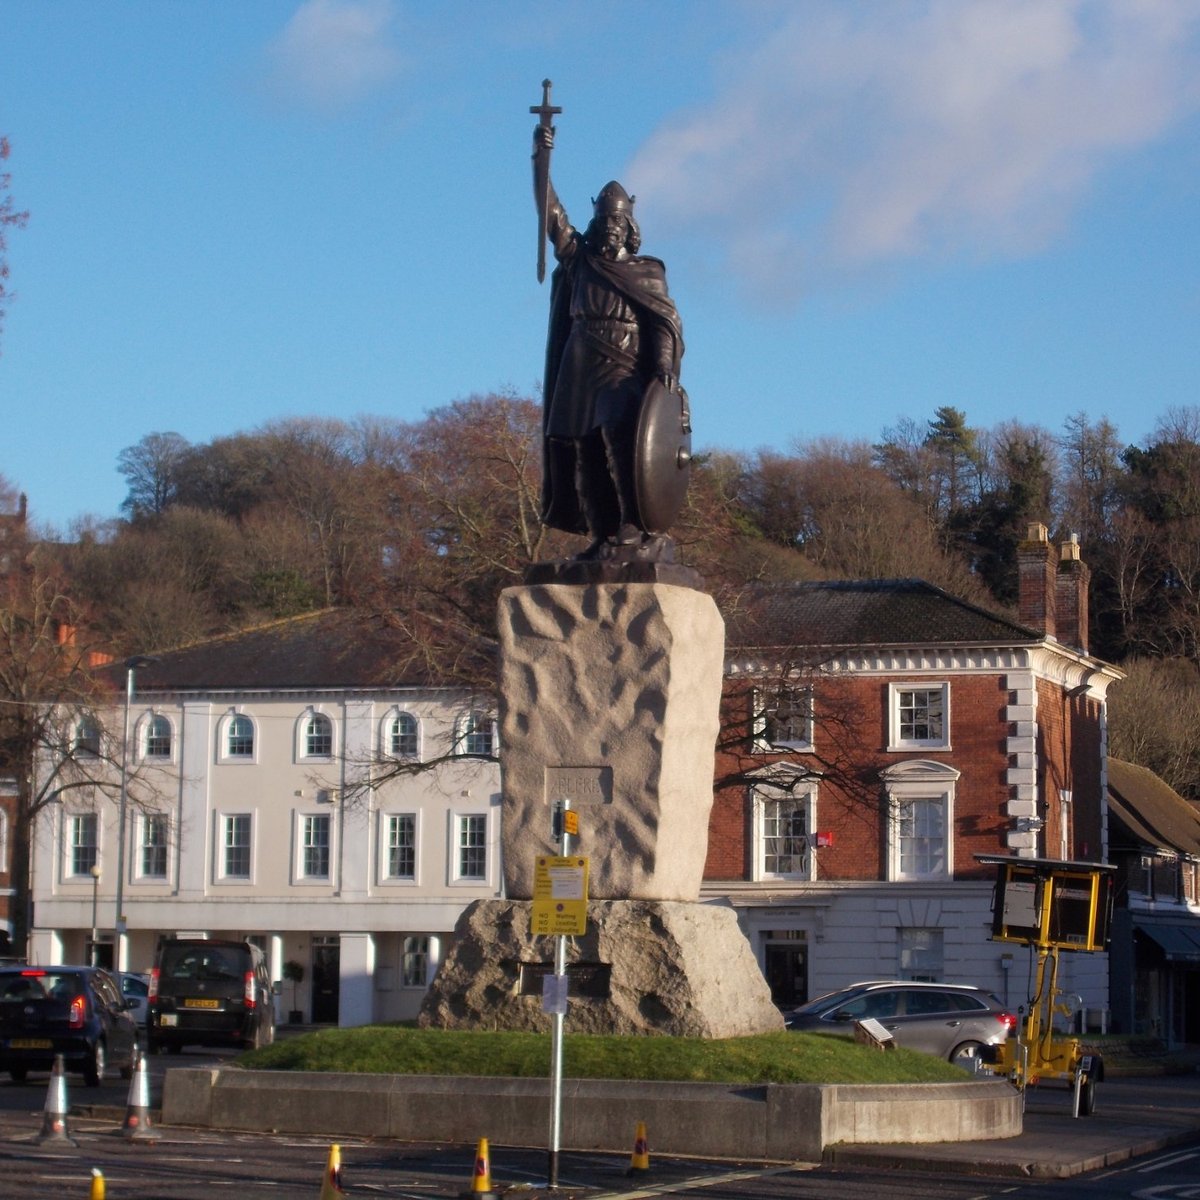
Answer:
(559, 896)
(571, 822)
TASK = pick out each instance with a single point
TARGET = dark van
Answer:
(205, 992)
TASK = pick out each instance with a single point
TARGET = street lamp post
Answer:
(131, 665)
(95, 890)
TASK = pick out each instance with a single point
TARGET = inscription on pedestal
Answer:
(580, 785)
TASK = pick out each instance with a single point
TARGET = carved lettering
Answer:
(580, 785)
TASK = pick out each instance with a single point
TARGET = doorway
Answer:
(326, 978)
(785, 958)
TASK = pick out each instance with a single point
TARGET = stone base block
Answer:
(643, 967)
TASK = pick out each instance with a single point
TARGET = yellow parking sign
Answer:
(559, 896)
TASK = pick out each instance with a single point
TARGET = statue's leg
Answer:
(593, 485)
(619, 445)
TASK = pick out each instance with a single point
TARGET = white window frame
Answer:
(385, 876)
(303, 754)
(465, 729)
(140, 825)
(422, 945)
(4, 866)
(83, 745)
(896, 694)
(782, 785)
(300, 875)
(393, 716)
(919, 781)
(921, 972)
(223, 729)
(458, 822)
(69, 844)
(220, 874)
(145, 725)
(761, 699)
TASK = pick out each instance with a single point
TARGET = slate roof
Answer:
(1152, 812)
(330, 649)
(872, 612)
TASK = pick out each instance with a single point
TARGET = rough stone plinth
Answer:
(677, 969)
(610, 696)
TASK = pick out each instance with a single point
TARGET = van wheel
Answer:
(18, 1074)
(93, 1071)
(255, 1042)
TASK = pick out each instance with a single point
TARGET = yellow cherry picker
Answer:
(1050, 906)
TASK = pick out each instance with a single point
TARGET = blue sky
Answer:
(248, 211)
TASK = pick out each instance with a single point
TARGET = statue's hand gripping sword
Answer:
(541, 175)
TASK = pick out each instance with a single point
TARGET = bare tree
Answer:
(10, 218)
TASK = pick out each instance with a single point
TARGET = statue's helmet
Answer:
(613, 199)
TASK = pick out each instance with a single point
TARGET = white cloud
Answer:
(862, 135)
(333, 53)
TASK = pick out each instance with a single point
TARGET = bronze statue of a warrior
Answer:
(617, 434)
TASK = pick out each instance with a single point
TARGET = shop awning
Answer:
(1178, 940)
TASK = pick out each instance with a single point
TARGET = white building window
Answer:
(3, 842)
(784, 823)
(921, 955)
(783, 718)
(82, 846)
(237, 742)
(315, 736)
(470, 847)
(87, 737)
(236, 846)
(314, 845)
(476, 735)
(920, 716)
(153, 840)
(402, 736)
(920, 813)
(157, 737)
(399, 846)
(414, 964)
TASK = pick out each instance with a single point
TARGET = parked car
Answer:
(135, 987)
(953, 1021)
(205, 992)
(77, 1012)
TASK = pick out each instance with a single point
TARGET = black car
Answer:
(77, 1012)
(206, 992)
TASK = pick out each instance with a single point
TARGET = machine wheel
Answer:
(966, 1055)
(93, 1071)
(1087, 1096)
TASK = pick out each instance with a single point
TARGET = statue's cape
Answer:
(642, 280)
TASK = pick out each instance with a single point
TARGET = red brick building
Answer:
(879, 735)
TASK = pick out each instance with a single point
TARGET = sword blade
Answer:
(541, 169)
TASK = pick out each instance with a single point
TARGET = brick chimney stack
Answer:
(1037, 582)
(1071, 596)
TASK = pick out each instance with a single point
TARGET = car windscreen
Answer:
(213, 964)
(41, 985)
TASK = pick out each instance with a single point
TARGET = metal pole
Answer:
(556, 1042)
(131, 664)
(95, 892)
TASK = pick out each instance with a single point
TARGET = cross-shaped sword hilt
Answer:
(545, 110)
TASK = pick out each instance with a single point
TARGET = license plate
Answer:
(30, 1044)
(191, 1002)
(168, 1019)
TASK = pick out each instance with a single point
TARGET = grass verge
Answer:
(766, 1058)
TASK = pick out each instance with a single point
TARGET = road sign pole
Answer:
(556, 1043)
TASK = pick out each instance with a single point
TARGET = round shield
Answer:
(662, 456)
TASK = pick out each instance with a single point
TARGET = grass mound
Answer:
(766, 1058)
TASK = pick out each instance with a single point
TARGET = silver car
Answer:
(952, 1020)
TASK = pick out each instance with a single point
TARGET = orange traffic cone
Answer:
(97, 1192)
(481, 1177)
(54, 1119)
(331, 1184)
(639, 1164)
(137, 1109)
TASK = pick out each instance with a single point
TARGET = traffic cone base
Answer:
(639, 1163)
(481, 1176)
(98, 1191)
(54, 1119)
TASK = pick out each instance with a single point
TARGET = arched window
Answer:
(87, 737)
(239, 737)
(402, 735)
(476, 735)
(318, 736)
(158, 737)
